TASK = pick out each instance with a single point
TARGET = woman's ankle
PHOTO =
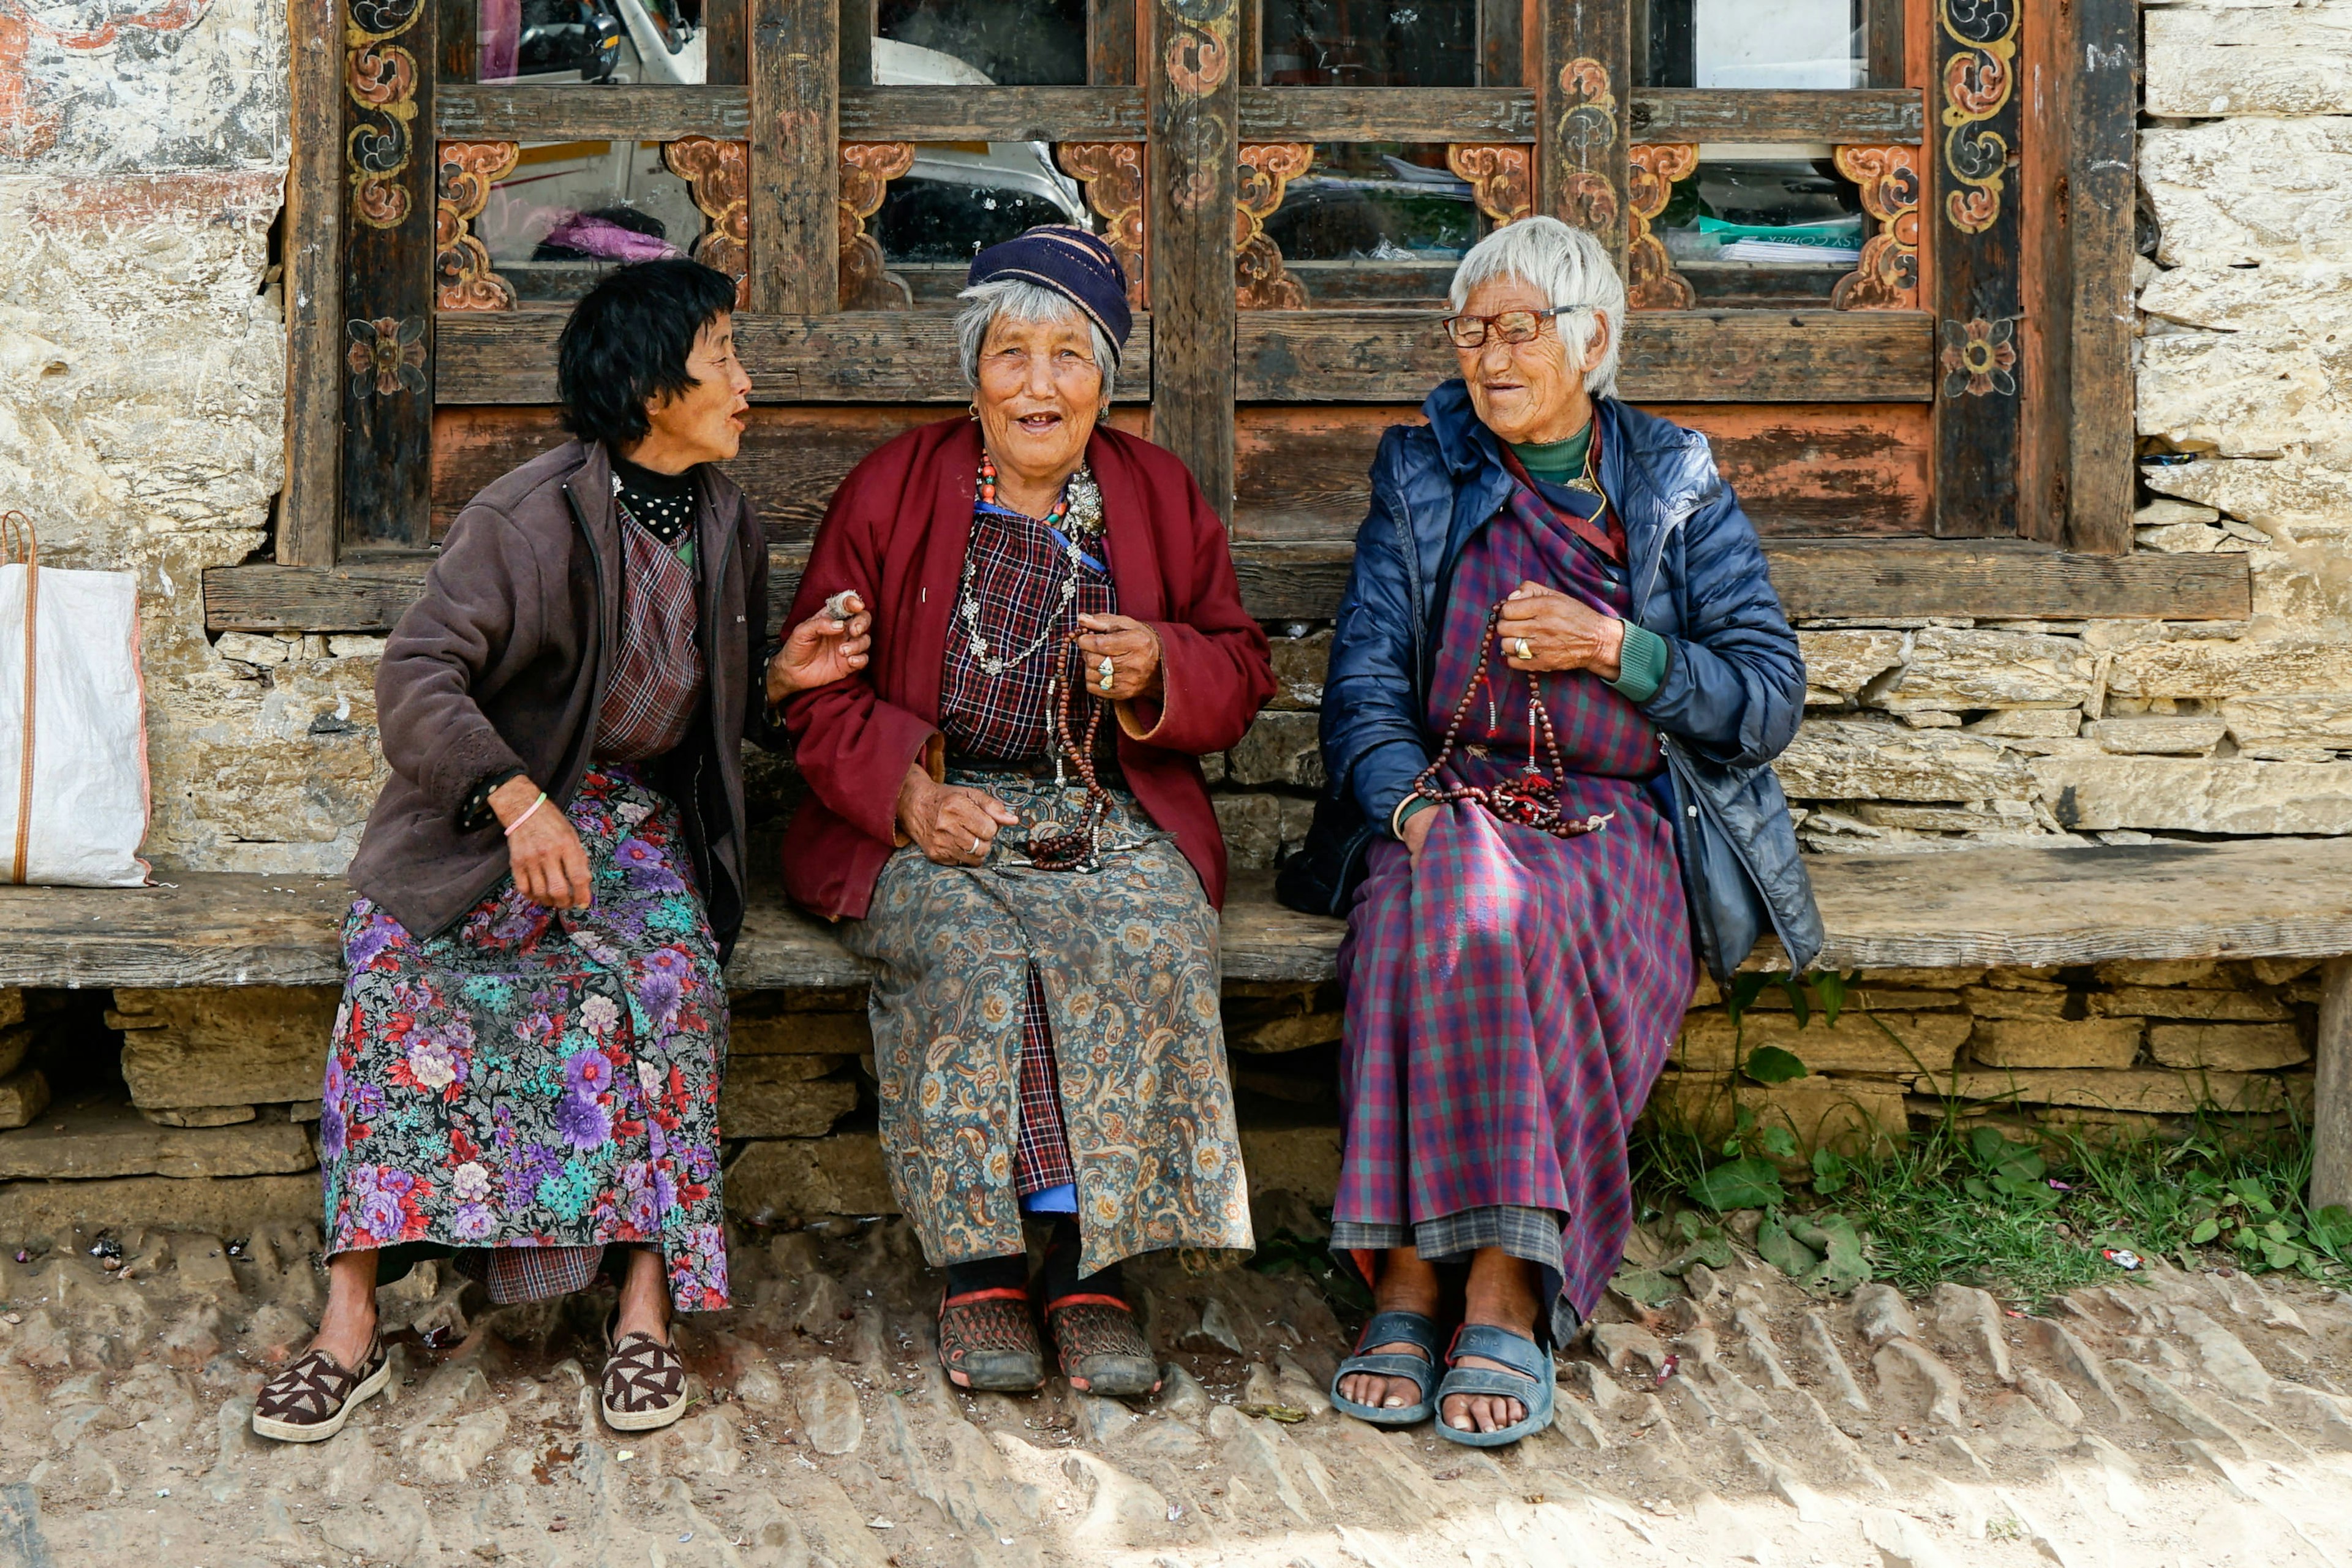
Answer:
(1408, 1283)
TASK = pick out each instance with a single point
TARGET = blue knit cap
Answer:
(1074, 264)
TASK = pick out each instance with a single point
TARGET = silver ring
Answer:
(975, 844)
(1524, 651)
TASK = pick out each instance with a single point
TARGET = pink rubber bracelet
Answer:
(519, 821)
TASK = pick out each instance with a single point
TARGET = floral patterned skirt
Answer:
(540, 1078)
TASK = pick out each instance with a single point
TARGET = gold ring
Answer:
(1524, 651)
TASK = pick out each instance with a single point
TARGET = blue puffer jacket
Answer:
(1733, 692)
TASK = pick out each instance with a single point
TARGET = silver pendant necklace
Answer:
(1081, 518)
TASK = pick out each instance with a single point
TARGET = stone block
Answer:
(14, 1042)
(34, 1211)
(784, 1178)
(205, 1115)
(109, 1138)
(2230, 1047)
(1252, 825)
(2160, 1090)
(1863, 759)
(2246, 393)
(2254, 190)
(2208, 60)
(2200, 972)
(1992, 816)
(22, 1096)
(2030, 723)
(1281, 748)
(788, 1067)
(2147, 735)
(1957, 668)
(1842, 662)
(2000, 1002)
(12, 1006)
(1851, 1115)
(1303, 1158)
(2316, 718)
(242, 1045)
(2187, 1003)
(2293, 489)
(751, 1108)
(2278, 295)
(1297, 1032)
(2180, 539)
(2055, 1042)
(1858, 1042)
(1299, 668)
(2231, 796)
(798, 1034)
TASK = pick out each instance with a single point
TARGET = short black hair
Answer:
(627, 341)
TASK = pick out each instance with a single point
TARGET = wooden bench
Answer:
(2028, 908)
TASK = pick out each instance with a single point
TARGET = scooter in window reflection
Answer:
(629, 41)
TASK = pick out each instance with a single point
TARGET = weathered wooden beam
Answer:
(1387, 114)
(1192, 181)
(2100, 208)
(1861, 115)
(2331, 1106)
(855, 356)
(1584, 99)
(795, 197)
(992, 114)
(316, 344)
(582, 112)
(1669, 356)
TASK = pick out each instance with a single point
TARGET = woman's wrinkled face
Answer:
(1040, 395)
(1526, 392)
(703, 424)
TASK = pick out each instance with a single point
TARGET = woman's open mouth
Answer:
(1038, 424)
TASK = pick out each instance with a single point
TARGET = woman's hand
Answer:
(821, 652)
(1415, 832)
(1133, 650)
(952, 824)
(551, 868)
(1559, 632)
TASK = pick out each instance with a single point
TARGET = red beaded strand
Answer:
(1532, 799)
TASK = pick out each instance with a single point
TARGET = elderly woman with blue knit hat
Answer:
(1007, 819)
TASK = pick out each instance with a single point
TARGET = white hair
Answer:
(1571, 271)
(1018, 300)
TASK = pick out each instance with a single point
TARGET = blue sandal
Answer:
(1529, 1382)
(1385, 1329)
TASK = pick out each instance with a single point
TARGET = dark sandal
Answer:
(1393, 1328)
(310, 1400)
(988, 1341)
(1100, 1349)
(644, 1385)
(1529, 1382)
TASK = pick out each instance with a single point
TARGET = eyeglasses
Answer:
(1511, 326)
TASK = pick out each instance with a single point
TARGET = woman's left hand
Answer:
(1558, 632)
(821, 652)
(1133, 650)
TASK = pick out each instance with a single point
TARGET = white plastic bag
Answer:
(75, 816)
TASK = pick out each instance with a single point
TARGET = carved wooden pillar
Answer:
(1976, 301)
(1583, 109)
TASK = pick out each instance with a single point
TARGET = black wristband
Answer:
(475, 813)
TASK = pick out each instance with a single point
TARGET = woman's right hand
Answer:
(551, 868)
(952, 824)
(1415, 832)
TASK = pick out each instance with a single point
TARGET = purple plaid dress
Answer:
(1511, 998)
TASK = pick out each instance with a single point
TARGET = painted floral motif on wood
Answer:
(720, 175)
(386, 356)
(381, 77)
(1588, 128)
(1112, 173)
(464, 278)
(1980, 77)
(1650, 281)
(1261, 281)
(1502, 177)
(1980, 357)
(1887, 276)
(867, 170)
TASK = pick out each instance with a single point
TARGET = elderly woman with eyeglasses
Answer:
(1559, 675)
(1009, 821)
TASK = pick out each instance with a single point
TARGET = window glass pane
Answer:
(957, 199)
(1752, 228)
(1752, 43)
(554, 41)
(573, 211)
(1374, 223)
(1011, 43)
(1369, 43)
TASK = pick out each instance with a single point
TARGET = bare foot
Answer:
(1502, 1294)
(1406, 1284)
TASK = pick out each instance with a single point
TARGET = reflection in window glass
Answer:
(1014, 43)
(1752, 43)
(1375, 223)
(1369, 43)
(573, 211)
(960, 198)
(1762, 230)
(554, 41)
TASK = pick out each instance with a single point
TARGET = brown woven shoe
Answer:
(987, 1340)
(310, 1400)
(644, 1383)
(1100, 1348)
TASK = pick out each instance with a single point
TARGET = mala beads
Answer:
(1073, 848)
(1531, 800)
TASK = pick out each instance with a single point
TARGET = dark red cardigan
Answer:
(896, 533)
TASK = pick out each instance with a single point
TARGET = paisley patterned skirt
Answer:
(1127, 955)
(540, 1078)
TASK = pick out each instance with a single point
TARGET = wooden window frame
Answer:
(2033, 487)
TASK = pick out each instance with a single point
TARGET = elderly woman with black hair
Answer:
(1009, 819)
(526, 1067)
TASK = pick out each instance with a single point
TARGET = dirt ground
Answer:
(2166, 1419)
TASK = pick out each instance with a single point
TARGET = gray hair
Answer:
(1018, 300)
(1571, 269)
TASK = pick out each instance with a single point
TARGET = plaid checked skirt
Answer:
(1124, 959)
(1512, 998)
